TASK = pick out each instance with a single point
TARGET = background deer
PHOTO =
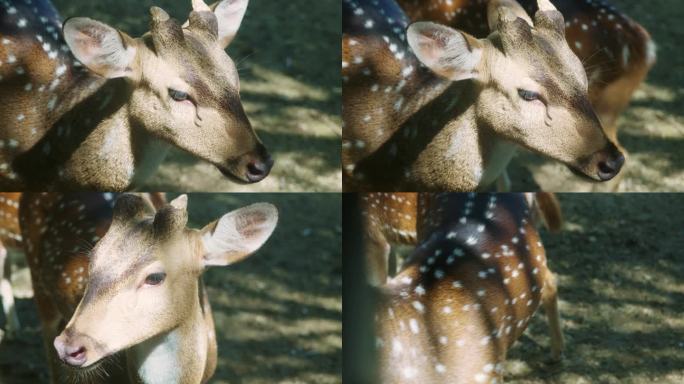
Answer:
(392, 219)
(108, 123)
(467, 293)
(10, 238)
(138, 290)
(617, 53)
(410, 128)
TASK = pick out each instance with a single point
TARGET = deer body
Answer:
(392, 219)
(455, 124)
(94, 108)
(467, 293)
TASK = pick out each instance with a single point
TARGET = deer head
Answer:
(144, 274)
(530, 87)
(184, 88)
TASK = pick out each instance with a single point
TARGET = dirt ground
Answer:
(288, 56)
(652, 129)
(620, 270)
(278, 313)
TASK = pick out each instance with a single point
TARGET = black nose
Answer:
(258, 169)
(610, 167)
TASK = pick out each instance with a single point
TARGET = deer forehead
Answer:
(124, 250)
(552, 55)
(543, 63)
(196, 62)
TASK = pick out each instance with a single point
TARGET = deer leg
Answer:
(7, 294)
(550, 303)
(377, 250)
(503, 183)
(377, 260)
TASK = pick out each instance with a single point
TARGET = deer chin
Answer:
(228, 172)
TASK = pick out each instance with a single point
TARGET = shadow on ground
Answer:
(620, 269)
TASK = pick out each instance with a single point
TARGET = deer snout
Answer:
(71, 350)
(259, 167)
(257, 164)
(609, 162)
(609, 168)
(249, 167)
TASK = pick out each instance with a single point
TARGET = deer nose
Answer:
(260, 167)
(610, 166)
(72, 353)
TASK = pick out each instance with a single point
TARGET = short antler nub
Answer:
(545, 5)
(165, 30)
(172, 218)
(130, 208)
(549, 18)
(159, 15)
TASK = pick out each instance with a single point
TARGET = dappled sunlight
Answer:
(271, 83)
(619, 267)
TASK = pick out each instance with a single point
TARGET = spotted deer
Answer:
(10, 238)
(617, 52)
(89, 107)
(467, 293)
(134, 305)
(433, 108)
(391, 219)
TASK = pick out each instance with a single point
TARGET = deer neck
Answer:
(450, 124)
(175, 357)
(91, 141)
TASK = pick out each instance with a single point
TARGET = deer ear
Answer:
(449, 53)
(101, 48)
(229, 14)
(238, 234)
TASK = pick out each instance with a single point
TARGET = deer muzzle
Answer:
(604, 164)
(251, 167)
(72, 350)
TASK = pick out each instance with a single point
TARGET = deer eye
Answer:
(155, 278)
(178, 95)
(528, 95)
